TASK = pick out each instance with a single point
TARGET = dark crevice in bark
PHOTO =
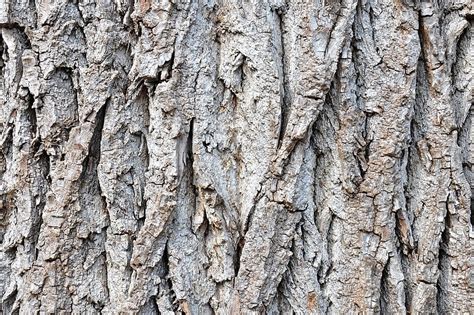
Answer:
(443, 264)
(164, 75)
(167, 71)
(384, 291)
(424, 46)
(460, 54)
(150, 307)
(7, 304)
(329, 241)
(36, 227)
(21, 30)
(184, 156)
(280, 296)
(334, 25)
(205, 226)
(404, 265)
(105, 263)
(39, 160)
(403, 232)
(472, 203)
(46, 164)
(411, 150)
(284, 88)
(32, 120)
(371, 15)
(154, 305)
(189, 151)
(143, 99)
(7, 206)
(363, 153)
(463, 138)
(142, 103)
(472, 209)
(462, 49)
(6, 147)
(238, 254)
(43, 161)
(90, 163)
(3, 59)
(403, 228)
(248, 221)
(167, 287)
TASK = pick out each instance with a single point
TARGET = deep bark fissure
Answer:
(3, 60)
(443, 264)
(93, 156)
(7, 304)
(284, 85)
(383, 288)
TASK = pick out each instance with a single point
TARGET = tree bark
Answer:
(236, 157)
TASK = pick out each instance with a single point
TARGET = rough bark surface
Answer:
(236, 156)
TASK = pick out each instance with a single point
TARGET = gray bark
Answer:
(236, 156)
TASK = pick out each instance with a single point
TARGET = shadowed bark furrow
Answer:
(205, 157)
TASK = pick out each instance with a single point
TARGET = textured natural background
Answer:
(236, 156)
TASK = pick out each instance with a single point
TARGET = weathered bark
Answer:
(258, 156)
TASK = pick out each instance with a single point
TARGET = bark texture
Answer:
(236, 156)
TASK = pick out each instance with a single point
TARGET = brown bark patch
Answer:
(311, 301)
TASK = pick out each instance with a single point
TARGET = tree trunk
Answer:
(246, 156)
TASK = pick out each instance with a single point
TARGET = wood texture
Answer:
(236, 156)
